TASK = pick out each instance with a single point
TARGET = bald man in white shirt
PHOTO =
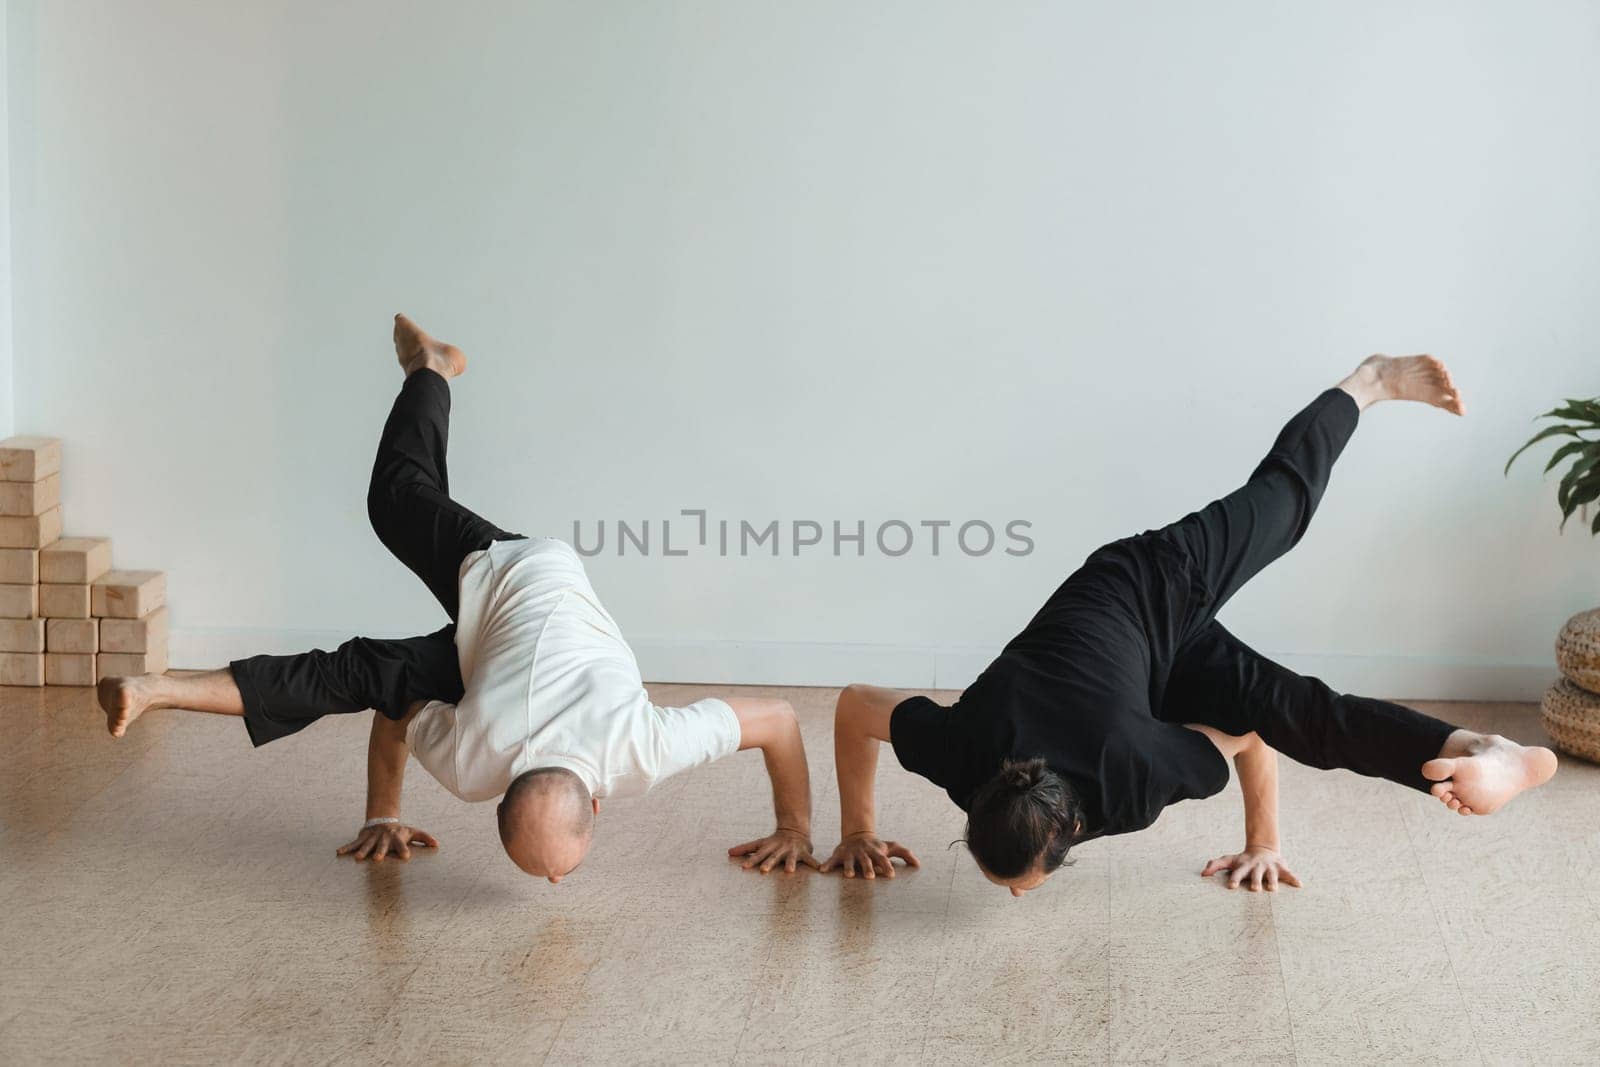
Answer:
(530, 694)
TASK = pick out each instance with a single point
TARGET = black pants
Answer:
(408, 502)
(1217, 680)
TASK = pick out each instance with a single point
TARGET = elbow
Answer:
(775, 723)
(851, 697)
(844, 708)
(850, 715)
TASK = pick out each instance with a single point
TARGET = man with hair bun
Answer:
(1124, 694)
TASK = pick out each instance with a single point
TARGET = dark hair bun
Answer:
(1023, 775)
(1024, 818)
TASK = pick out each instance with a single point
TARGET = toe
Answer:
(1437, 770)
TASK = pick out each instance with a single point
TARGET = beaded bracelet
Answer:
(370, 823)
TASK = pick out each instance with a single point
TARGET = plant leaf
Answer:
(1578, 475)
(1548, 431)
(1594, 527)
(1566, 450)
(1582, 467)
(1577, 410)
(1583, 491)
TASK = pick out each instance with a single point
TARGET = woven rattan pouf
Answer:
(1571, 717)
(1578, 650)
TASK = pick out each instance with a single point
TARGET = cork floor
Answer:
(175, 898)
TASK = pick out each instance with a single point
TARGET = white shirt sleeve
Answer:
(431, 737)
(694, 734)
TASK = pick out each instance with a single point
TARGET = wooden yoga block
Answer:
(64, 601)
(19, 601)
(22, 635)
(68, 668)
(30, 531)
(29, 459)
(148, 634)
(79, 636)
(21, 668)
(110, 664)
(79, 560)
(127, 594)
(19, 566)
(30, 498)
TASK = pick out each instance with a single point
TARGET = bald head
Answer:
(546, 821)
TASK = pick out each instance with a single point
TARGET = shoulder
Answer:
(945, 745)
(431, 737)
(916, 720)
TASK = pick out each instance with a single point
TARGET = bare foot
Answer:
(1493, 770)
(1420, 378)
(124, 699)
(416, 350)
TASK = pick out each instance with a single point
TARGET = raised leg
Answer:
(284, 694)
(1220, 681)
(1230, 540)
(408, 500)
(124, 699)
(279, 695)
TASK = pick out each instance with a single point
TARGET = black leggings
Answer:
(1217, 680)
(408, 502)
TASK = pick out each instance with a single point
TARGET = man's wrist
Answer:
(863, 832)
(1272, 847)
(795, 828)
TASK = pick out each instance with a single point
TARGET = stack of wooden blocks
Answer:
(66, 618)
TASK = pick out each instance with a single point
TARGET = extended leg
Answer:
(1232, 539)
(1220, 681)
(125, 699)
(408, 500)
(279, 695)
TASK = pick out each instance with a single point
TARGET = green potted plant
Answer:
(1571, 707)
(1580, 485)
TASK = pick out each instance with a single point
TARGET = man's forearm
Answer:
(785, 755)
(1257, 764)
(771, 726)
(386, 766)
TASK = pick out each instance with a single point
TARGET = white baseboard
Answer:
(911, 667)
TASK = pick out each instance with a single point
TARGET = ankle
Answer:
(151, 691)
(1464, 743)
(1364, 386)
(430, 361)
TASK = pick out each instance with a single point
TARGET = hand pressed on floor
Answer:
(781, 848)
(1261, 867)
(389, 838)
(867, 856)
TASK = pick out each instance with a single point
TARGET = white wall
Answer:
(7, 370)
(1071, 263)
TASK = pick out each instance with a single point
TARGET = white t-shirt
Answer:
(551, 683)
